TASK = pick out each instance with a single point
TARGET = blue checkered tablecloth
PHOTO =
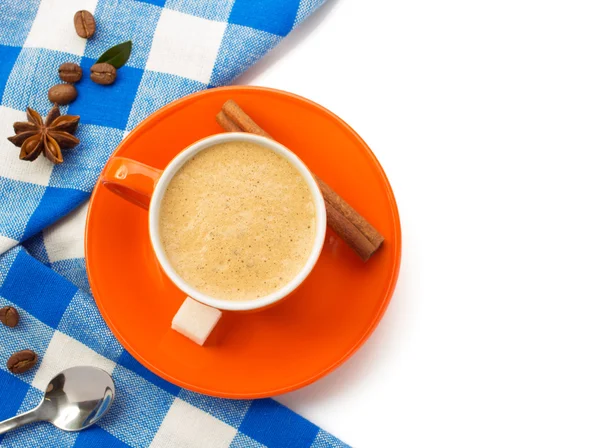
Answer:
(179, 47)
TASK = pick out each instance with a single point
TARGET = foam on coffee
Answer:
(237, 221)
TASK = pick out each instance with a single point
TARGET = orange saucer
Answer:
(268, 352)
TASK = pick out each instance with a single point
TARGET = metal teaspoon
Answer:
(75, 399)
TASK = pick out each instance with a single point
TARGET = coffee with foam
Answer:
(237, 221)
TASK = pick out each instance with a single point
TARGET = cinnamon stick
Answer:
(349, 232)
(355, 230)
(242, 120)
(226, 123)
(350, 214)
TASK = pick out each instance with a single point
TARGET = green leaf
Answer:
(116, 56)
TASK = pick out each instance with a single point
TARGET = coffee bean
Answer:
(103, 73)
(85, 24)
(62, 93)
(21, 361)
(9, 316)
(70, 72)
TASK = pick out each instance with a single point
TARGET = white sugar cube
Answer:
(195, 320)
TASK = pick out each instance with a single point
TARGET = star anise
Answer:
(50, 137)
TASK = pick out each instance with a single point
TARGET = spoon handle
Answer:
(19, 420)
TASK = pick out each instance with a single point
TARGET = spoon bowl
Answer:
(74, 400)
(77, 398)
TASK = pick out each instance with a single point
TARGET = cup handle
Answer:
(131, 180)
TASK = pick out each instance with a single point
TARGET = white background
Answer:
(486, 117)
